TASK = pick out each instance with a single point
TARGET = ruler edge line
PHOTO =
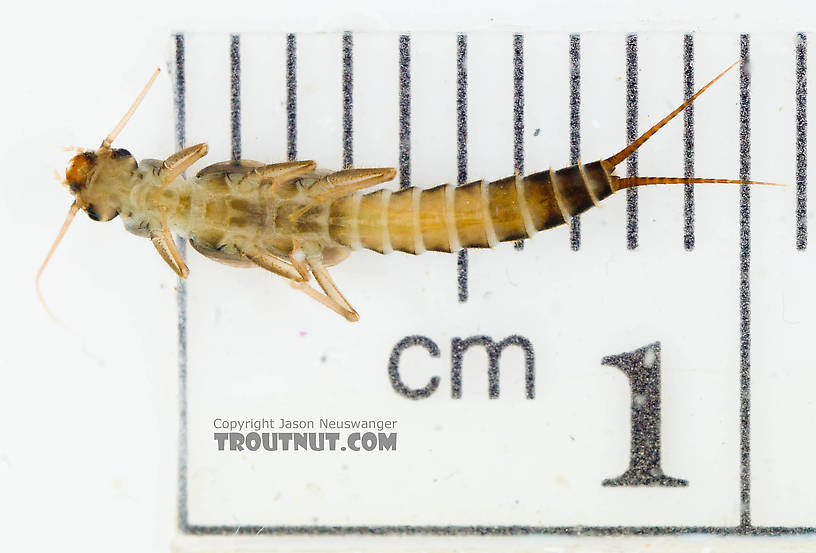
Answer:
(184, 525)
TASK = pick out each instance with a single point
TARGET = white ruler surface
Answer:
(646, 371)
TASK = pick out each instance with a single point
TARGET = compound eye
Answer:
(120, 153)
(92, 213)
(103, 214)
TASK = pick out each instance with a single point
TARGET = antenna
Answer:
(119, 126)
(71, 213)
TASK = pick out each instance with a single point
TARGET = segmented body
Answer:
(294, 220)
(226, 208)
(480, 214)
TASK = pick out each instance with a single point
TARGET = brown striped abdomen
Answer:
(474, 215)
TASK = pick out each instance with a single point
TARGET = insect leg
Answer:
(165, 246)
(272, 263)
(176, 164)
(171, 168)
(328, 302)
(279, 173)
(342, 183)
(333, 298)
(179, 162)
(298, 258)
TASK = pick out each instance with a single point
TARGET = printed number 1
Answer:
(642, 368)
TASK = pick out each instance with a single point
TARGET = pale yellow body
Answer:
(294, 221)
(223, 211)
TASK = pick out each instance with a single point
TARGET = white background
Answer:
(88, 423)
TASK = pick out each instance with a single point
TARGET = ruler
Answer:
(643, 371)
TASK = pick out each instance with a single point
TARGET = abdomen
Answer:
(475, 215)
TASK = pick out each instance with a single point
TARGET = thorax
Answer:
(221, 206)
